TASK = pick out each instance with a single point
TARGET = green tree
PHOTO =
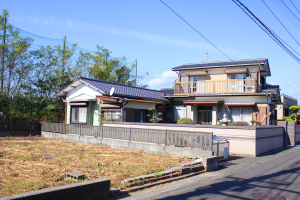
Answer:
(103, 66)
(15, 64)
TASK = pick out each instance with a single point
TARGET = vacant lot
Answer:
(32, 163)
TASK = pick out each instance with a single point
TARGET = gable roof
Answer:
(121, 90)
(231, 63)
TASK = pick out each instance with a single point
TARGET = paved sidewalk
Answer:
(238, 178)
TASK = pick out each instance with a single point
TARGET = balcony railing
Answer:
(217, 87)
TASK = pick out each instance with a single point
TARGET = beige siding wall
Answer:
(217, 77)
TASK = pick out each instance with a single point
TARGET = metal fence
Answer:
(221, 149)
(20, 126)
(159, 136)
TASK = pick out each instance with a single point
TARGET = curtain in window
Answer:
(238, 84)
(83, 115)
(179, 112)
(246, 115)
(201, 85)
(74, 115)
(112, 115)
(235, 114)
(197, 87)
(241, 114)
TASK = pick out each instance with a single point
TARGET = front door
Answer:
(205, 115)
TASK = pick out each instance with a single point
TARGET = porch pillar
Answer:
(214, 115)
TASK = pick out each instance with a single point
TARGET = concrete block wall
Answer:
(130, 145)
(92, 189)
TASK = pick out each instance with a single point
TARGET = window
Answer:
(112, 115)
(79, 115)
(237, 83)
(197, 87)
(241, 114)
(179, 112)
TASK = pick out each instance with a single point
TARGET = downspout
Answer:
(122, 108)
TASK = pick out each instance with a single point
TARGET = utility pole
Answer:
(3, 52)
(136, 72)
(63, 64)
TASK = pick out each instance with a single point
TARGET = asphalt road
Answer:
(273, 176)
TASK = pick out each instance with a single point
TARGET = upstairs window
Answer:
(236, 76)
(197, 87)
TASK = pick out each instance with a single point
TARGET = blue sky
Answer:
(148, 31)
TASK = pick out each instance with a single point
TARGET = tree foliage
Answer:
(32, 77)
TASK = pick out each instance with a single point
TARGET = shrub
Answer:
(294, 108)
(185, 121)
(170, 120)
(292, 116)
(240, 124)
(286, 117)
(289, 120)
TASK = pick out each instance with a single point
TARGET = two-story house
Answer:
(206, 91)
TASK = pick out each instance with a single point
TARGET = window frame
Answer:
(87, 114)
(240, 114)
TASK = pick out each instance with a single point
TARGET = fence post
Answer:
(102, 131)
(166, 137)
(211, 140)
(129, 135)
(218, 148)
(80, 130)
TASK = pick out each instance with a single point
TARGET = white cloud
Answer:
(165, 80)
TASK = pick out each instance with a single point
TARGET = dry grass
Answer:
(32, 163)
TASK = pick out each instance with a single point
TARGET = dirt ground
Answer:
(32, 163)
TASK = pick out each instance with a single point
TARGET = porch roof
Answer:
(240, 104)
(203, 102)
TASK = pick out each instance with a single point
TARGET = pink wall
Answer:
(250, 140)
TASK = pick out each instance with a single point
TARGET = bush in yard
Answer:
(170, 120)
(185, 121)
(286, 117)
(240, 123)
(289, 120)
(294, 108)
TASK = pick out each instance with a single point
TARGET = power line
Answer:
(158, 80)
(277, 39)
(287, 14)
(280, 22)
(291, 84)
(195, 29)
(294, 6)
(290, 10)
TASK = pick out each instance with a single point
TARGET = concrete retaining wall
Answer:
(246, 140)
(93, 189)
(125, 144)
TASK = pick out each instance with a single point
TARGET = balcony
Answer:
(216, 87)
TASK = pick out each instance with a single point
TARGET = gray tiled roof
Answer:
(122, 90)
(167, 91)
(231, 63)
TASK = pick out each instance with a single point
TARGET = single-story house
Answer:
(87, 100)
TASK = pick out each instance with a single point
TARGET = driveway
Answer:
(270, 176)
